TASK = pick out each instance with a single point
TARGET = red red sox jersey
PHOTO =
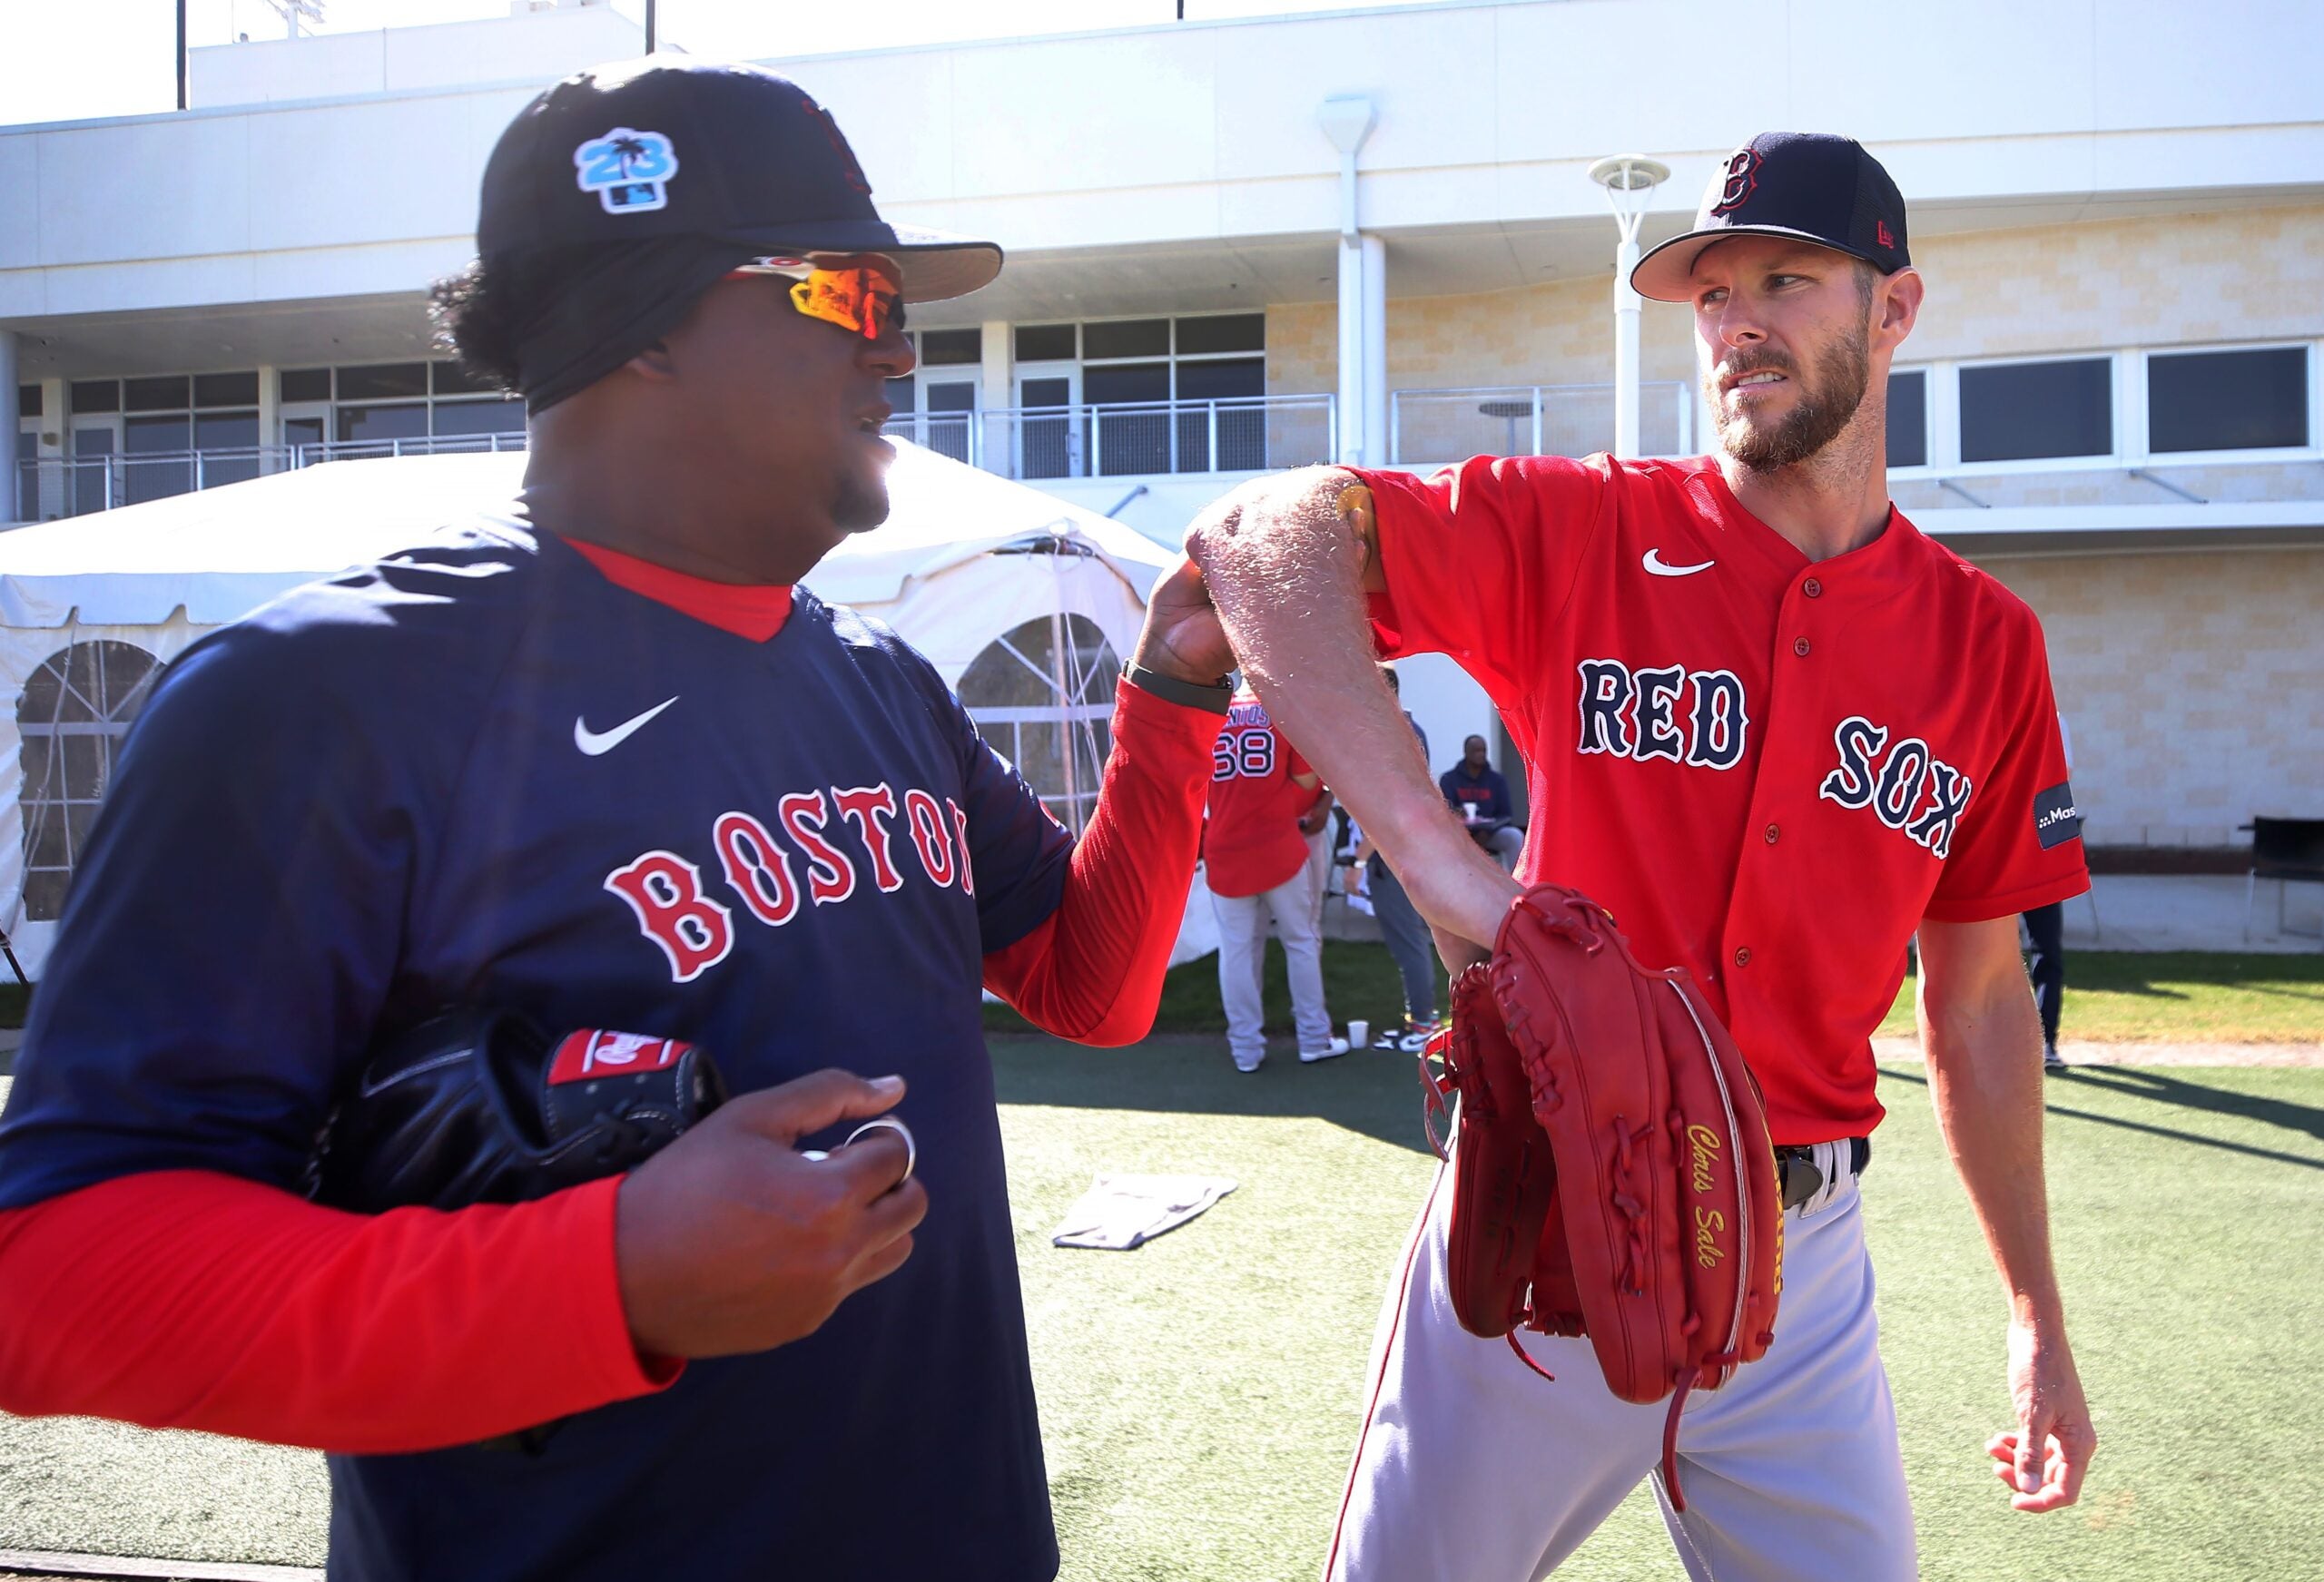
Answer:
(1770, 768)
(1252, 843)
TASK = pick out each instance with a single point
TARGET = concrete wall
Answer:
(534, 46)
(2193, 685)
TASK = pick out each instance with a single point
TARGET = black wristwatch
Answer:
(1192, 694)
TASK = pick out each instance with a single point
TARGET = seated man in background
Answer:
(1477, 791)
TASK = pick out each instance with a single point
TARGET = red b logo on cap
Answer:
(1742, 176)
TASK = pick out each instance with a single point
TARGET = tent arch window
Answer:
(1042, 693)
(77, 707)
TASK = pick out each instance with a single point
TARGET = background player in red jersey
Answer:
(1256, 857)
(594, 760)
(1779, 733)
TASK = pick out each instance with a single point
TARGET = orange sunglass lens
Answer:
(860, 300)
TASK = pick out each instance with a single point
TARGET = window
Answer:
(951, 348)
(1908, 419)
(1043, 695)
(2023, 411)
(383, 408)
(1195, 386)
(1048, 342)
(76, 709)
(2227, 400)
(27, 400)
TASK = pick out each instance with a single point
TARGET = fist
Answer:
(1182, 637)
(732, 1240)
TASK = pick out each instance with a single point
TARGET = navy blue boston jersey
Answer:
(479, 772)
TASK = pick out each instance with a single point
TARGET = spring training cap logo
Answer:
(629, 171)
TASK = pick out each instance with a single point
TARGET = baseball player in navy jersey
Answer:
(1777, 732)
(595, 760)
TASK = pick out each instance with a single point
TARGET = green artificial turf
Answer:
(1199, 1396)
(2112, 997)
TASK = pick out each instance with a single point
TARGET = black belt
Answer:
(1799, 1176)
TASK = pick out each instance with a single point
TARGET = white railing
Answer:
(73, 485)
(1240, 434)
(1429, 425)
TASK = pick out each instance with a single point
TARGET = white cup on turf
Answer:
(1359, 1034)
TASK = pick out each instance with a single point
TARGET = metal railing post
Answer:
(1537, 419)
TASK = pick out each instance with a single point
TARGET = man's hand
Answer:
(730, 1239)
(1313, 820)
(1182, 637)
(2042, 1461)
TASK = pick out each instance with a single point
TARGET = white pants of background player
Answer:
(1471, 1468)
(1243, 951)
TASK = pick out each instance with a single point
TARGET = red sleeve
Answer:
(187, 1299)
(2019, 844)
(1092, 971)
(1480, 560)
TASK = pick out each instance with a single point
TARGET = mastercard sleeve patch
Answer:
(2056, 819)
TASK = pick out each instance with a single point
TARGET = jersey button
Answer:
(1799, 646)
(1774, 834)
(1812, 588)
(1743, 955)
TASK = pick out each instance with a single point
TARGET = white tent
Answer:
(1026, 604)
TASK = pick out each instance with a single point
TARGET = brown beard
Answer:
(1825, 407)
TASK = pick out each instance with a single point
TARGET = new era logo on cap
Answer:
(1810, 186)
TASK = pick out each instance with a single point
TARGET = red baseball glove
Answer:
(1612, 1175)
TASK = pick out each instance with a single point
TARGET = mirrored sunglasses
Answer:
(863, 297)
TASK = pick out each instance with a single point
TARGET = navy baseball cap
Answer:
(1811, 186)
(673, 147)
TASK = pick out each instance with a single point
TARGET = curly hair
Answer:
(475, 314)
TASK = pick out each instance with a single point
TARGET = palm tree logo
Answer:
(628, 170)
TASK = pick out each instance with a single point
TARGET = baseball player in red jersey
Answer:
(1256, 857)
(1778, 732)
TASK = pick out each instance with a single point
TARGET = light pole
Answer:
(1628, 178)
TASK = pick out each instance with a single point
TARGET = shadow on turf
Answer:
(1366, 1091)
(2144, 1083)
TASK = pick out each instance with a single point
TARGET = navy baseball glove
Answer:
(479, 1106)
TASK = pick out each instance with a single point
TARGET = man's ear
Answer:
(654, 363)
(1900, 305)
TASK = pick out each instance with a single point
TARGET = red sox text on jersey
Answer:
(1701, 718)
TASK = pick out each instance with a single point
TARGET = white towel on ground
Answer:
(1119, 1212)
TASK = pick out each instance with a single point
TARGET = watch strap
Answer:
(1188, 693)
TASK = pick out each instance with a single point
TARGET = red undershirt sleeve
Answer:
(194, 1300)
(1092, 971)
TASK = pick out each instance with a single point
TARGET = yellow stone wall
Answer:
(2190, 685)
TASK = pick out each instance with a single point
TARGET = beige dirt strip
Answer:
(2143, 1054)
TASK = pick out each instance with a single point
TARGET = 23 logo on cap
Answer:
(629, 171)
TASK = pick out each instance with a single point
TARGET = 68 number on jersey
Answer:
(1249, 752)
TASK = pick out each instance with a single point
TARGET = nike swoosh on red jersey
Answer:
(1653, 562)
(594, 743)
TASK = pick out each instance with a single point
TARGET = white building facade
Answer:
(1366, 236)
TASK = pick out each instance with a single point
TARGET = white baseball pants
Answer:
(1242, 953)
(1471, 1468)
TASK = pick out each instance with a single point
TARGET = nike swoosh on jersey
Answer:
(594, 743)
(1654, 562)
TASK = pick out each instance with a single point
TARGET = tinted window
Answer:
(939, 348)
(2227, 400)
(1205, 381)
(1223, 332)
(28, 401)
(481, 417)
(1908, 419)
(226, 389)
(952, 398)
(1126, 338)
(306, 384)
(162, 395)
(1044, 343)
(382, 423)
(452, 379)
(96, 395)
(382, 380)
(152, 436)
(900, 393)
(2031, 409)
(221, 430)
(1149, 381)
